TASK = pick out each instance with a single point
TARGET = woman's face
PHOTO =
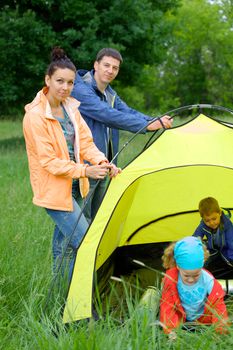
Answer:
(60, 84)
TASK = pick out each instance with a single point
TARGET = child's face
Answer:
(189, 277)
(212, 220)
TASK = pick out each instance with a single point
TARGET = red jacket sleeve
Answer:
(171, 311)
(215, 311)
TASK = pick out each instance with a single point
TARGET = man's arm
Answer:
(123, 107)
(93, 107)
(121, 117)
(163, 122)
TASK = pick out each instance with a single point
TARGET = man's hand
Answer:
(164, 122)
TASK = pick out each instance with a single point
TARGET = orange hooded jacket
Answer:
(51, 170)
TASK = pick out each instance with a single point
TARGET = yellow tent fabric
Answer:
(155, 199)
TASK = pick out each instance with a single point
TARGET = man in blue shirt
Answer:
(105, 113)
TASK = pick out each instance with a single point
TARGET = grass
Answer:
(25, 277)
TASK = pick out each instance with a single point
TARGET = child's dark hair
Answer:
(59, 60)
(109, 52)
(168, 256)
(208, 206)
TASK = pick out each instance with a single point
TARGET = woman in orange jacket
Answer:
(189, 292)
(57, 142)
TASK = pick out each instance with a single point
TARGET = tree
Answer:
(137, 28)
(24, 45)
(199, 63)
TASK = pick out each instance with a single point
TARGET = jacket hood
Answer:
(87, 77)
(81, 72)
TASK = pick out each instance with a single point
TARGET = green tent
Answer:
(155, 200)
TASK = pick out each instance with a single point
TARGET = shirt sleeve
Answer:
(120, 117)
(199, 231)
(170, 317)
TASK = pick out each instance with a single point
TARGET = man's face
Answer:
(106, 70)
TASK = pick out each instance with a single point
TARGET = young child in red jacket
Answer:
(189, 292)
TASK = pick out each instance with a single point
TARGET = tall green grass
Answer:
(25, 277)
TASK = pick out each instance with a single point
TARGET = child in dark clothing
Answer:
(217, 229)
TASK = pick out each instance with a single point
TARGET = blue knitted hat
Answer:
(189, 253)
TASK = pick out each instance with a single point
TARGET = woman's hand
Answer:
(114, 171)
(99, 172)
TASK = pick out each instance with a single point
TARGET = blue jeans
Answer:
(70, 228)
(94, 198)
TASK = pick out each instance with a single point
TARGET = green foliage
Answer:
(24, 45)
(199, 66)
(29, 29)
(133, 95)
(175, 52)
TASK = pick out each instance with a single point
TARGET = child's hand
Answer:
(172, 336)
